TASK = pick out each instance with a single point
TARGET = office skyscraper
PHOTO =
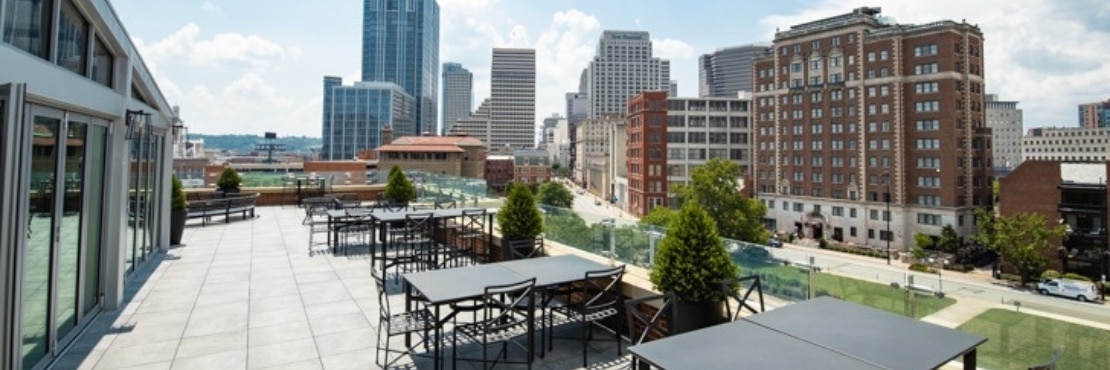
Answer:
(400, 44)
(506, 120)
(727, 71)
(355, 115)
(458, 94)
(1007, 126)
(622, 68)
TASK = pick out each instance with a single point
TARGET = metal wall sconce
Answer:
(137, 123)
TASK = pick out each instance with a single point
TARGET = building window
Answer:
(928, 143)
(883, 55)
(102, 64)
(925, 50)
(27, 25)
(928, 125)
(926, 87)
(927, 106)
(73, 40)
(928, 219)
(798, 207)
(927, 68)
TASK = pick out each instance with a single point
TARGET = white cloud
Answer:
(222, 50)
(672, 49)
(1048, 55)
(208, 6)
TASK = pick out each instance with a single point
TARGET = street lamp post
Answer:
(887, 216)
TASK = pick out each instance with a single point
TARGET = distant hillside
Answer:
(245, 143)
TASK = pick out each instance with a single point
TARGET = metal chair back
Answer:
(643, 327)
(731, 288)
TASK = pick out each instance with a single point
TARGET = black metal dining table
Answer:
(384, 220)
(443, 287)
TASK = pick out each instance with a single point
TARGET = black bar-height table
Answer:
(446, 286)
(821, 333)
(337, 218)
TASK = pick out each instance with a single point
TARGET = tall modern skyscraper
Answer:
(355, 115)
(458, 94)
(622, 68)
(870, 132)
(728, 71)
(1092, 115)
(506, 121)
(400, 44)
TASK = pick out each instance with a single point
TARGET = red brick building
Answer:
(531, 166)
(1072, 194)
(499, 171)
(647, 148)
(855, 115)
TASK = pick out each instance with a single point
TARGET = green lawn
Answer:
(1018, 340)
(792, 282)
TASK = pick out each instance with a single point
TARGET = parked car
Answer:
(774, 242)
(1081, 290)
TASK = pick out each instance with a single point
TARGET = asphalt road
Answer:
(954, 284)
(586, 207)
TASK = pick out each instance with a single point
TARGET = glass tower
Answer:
(400, 44)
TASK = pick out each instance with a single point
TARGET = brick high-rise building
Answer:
(869, 132)
(647, 152)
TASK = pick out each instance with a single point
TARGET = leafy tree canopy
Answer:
(949, 241)
(659, 216)
(715, 187)
(556, 195)
(1023, 239)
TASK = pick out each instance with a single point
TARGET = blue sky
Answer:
(250, 67)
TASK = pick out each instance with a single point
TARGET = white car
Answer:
(1081, 290)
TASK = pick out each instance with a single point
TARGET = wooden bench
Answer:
(205, 209)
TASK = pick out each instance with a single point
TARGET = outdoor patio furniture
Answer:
(391, 324)
(601, 298)
(733, 298)
(643, 327)
(821, 333)
(441, 288)
(503, 320)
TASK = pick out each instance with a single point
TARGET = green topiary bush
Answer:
(520, 218)
(1050, 274)
(692, 260)
(177, 198)
(398, 189)
(229, 179)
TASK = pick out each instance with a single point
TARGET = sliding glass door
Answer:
(61, 261)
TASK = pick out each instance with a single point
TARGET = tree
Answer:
(949, 240)
(715, 187)
(659, 216)
(556, 195)
(1023, 239)
(692, 260)
(399, 189)
(922, 240)
(520, 218)
(229, 179)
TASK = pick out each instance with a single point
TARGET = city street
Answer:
(973, 285)
(584, 205)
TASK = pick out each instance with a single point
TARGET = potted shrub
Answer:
(398, 189)
(691, 262)
(520, 219)
(178, 212)
(229, 181)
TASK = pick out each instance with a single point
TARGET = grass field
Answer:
(1018, 340)
(791, 282)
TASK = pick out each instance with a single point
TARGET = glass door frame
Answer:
(12, 233)
(25, 124)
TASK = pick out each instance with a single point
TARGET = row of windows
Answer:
(29, 25)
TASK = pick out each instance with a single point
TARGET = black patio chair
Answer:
(502, 321)
(644, 328)
(419, 321)
(731, 288)
(600, 299)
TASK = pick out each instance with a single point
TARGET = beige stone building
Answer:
(451, 155)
